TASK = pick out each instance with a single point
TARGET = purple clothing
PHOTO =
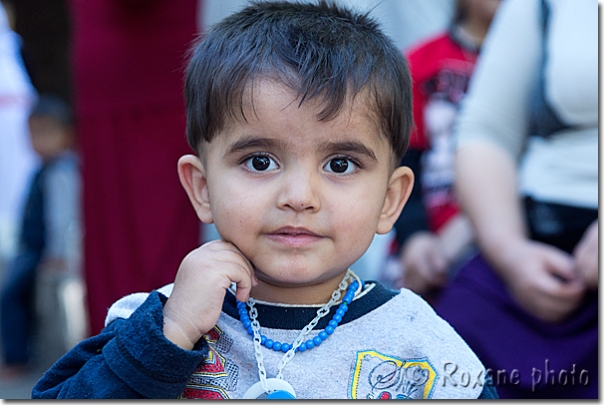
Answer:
(533, 353)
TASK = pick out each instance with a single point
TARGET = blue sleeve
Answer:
(130, 358)
(489, 391)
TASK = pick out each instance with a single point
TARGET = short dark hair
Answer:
(321, 50)
(49, 105)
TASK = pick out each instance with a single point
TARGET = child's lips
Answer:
(294, 236)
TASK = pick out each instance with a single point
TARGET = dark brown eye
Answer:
(339, 165)
(260, 163)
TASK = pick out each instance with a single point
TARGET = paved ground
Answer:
(19, 388)
(59, 326)
(49, 348)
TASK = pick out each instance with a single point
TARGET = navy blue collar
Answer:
(279, 317)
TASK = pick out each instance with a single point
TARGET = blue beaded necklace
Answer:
(310, 343)
(277, 388)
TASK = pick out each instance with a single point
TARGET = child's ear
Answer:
(193, 178)
(397, 194)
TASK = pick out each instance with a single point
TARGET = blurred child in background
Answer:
(51, 209)
(433, 234)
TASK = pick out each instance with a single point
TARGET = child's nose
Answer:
(300, 191)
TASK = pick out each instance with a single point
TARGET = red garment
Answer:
(128, 60)
(441, 67)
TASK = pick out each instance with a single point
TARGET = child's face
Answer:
(300, 198)
(48, 137)
(480, 11)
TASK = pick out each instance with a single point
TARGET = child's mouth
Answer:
(294, 236)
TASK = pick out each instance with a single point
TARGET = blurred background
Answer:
(91, 208)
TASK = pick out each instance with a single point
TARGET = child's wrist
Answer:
(175, 333)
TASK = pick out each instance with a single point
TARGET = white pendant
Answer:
(277, 389)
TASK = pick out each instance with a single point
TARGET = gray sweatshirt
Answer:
(390, 344)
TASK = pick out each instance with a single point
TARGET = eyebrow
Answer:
(347, 147)
(253, 142)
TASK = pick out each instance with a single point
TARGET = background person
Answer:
(433, 235)
(51, 211)
(527, 174)
(18, 160)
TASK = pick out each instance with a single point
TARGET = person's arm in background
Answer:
(491, 130)
(540, 277)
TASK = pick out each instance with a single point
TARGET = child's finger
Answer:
(244, 281)
(248, 263)
(244, 287)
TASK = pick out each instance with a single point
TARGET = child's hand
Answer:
(199, 288)
(424, 263)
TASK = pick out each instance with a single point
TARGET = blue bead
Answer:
(329, 330)
(317, 340)
(333, 324)
(262, 339)
(310, 344)
(344, 306)
(280, 394)
(337, 318)
(269, 343)
(323, 335)
(354, 284)
(277, 346)
(340, 312)
(250, 331)
(247, 323)
(302, 347)
(240, 305)
(285, 347)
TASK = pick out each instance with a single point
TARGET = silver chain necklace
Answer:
(278, 385)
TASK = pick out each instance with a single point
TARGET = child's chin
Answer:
(296, 276)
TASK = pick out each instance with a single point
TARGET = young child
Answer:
(434, 236)
(299, 114)
(51, 211)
